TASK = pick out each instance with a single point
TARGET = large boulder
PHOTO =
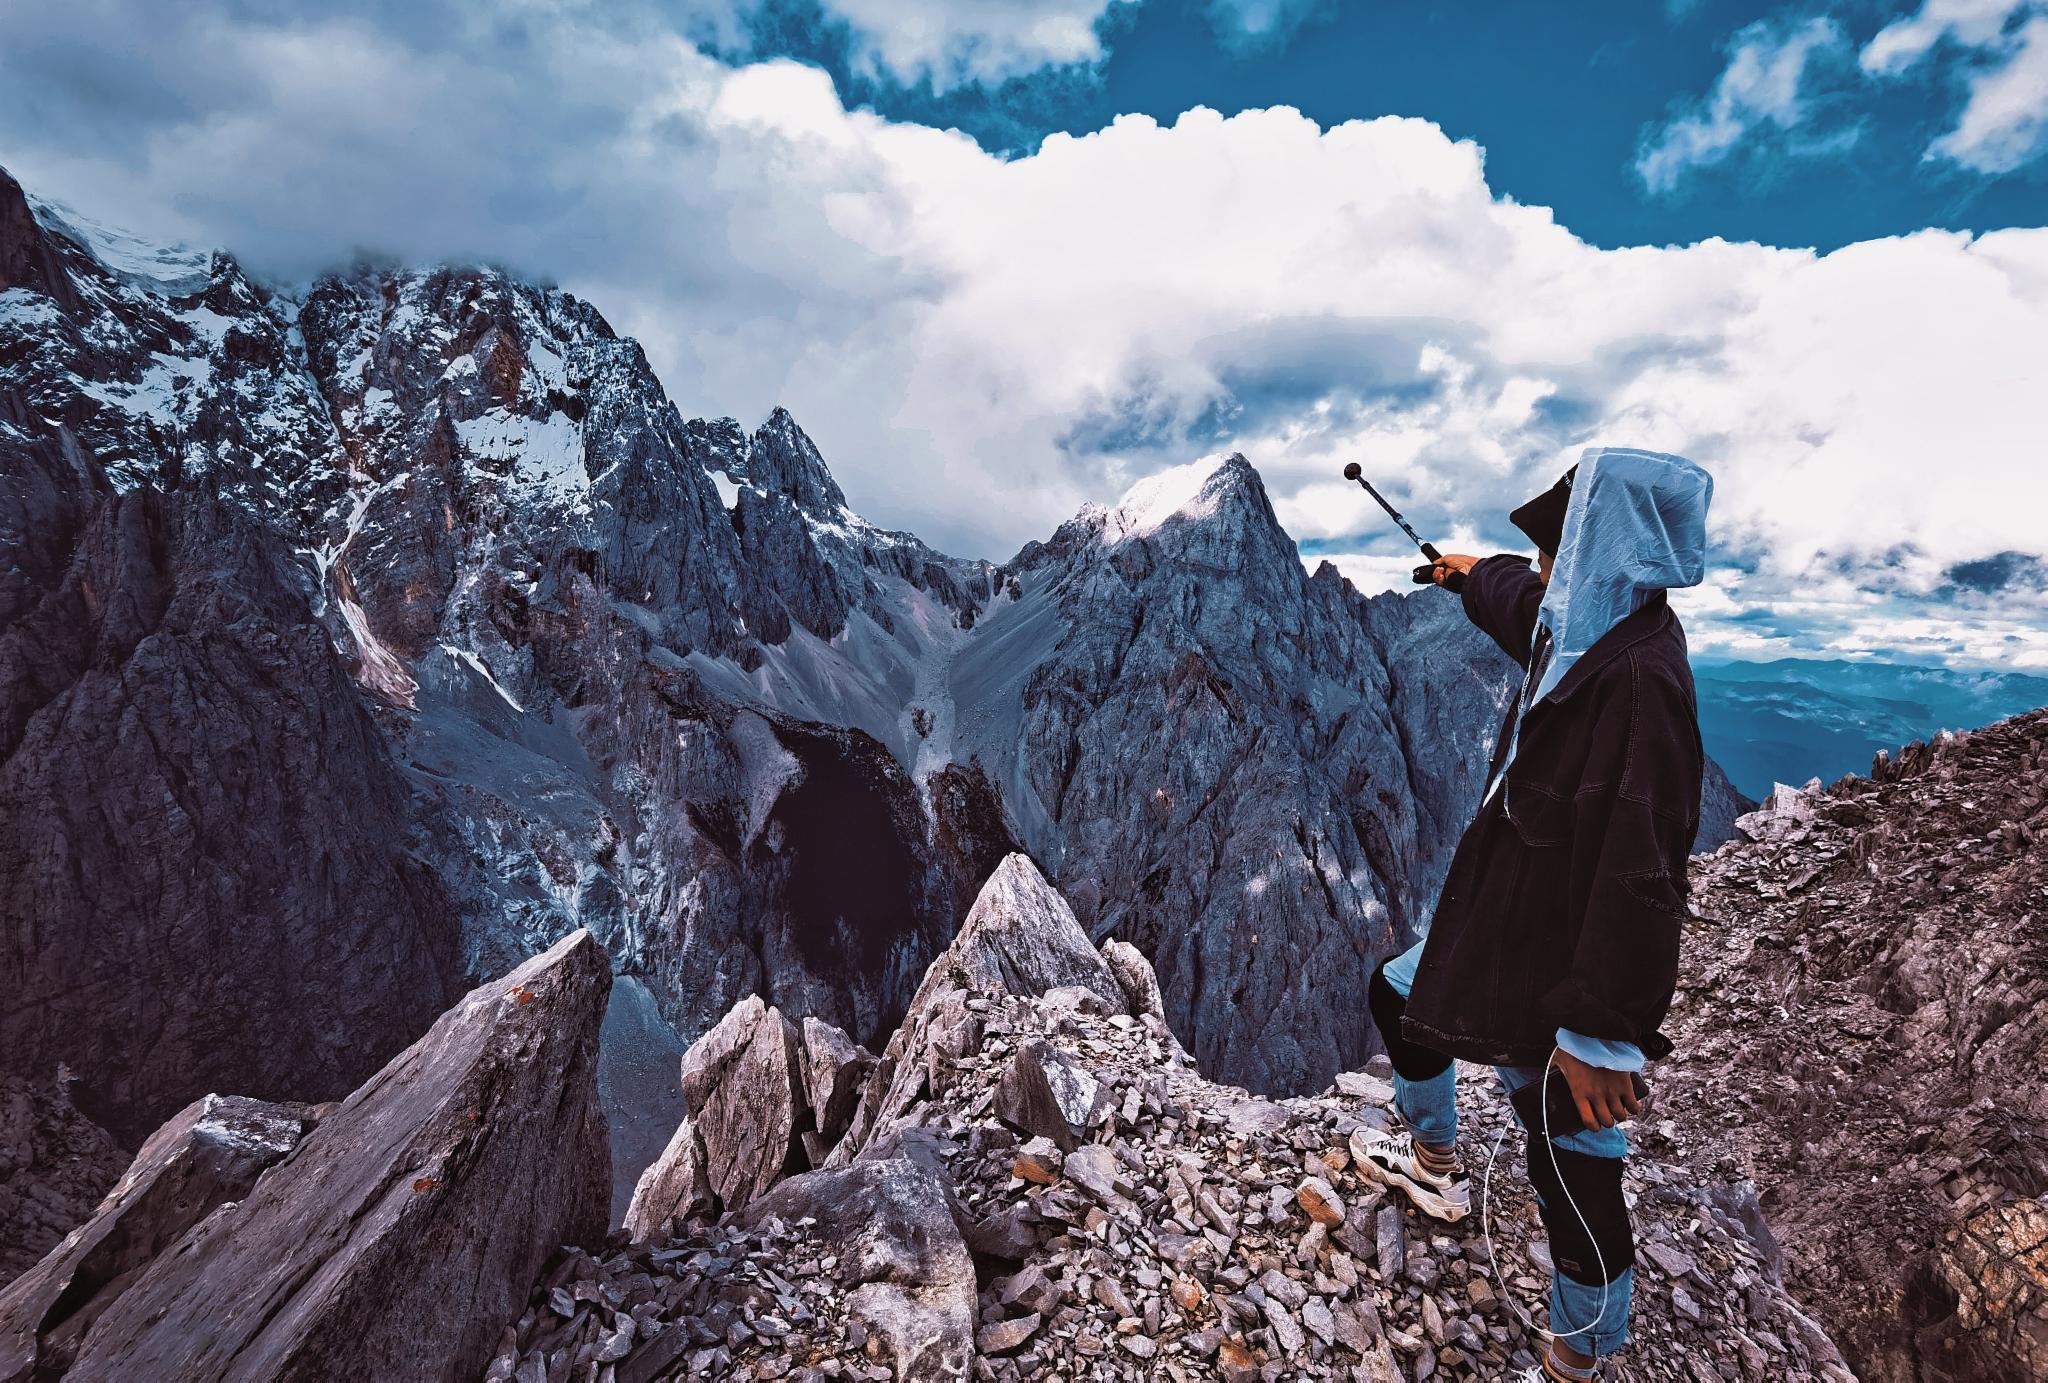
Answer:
(1048, 1094)
(676, 1186)
(834, 1068)
(1135, 976)
(761, 1098)
(398, 1239)
(1021, 938)
(209, 1153)
(743, 1087)
(901, 1260)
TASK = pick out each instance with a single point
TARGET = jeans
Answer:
(1592, 1318)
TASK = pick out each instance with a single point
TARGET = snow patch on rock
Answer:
(1176, 491)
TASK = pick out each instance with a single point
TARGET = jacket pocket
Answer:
(1655, 888)
(1540, 817)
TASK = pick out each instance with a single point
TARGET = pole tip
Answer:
(1352, 471)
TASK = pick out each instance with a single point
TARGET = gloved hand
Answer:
(1447, 571)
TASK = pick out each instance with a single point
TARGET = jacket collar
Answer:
(1652, 618)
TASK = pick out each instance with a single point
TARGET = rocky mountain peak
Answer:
(27, 258)
(1198, 510)
(784, 460)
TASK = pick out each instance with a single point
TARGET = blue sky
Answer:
(1006, 257)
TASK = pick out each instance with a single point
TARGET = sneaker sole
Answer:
(1424, 1199)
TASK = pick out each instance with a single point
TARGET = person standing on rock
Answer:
(1555, 939)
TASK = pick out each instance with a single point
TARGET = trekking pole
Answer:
(1423, 575)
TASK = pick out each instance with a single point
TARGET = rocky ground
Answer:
(1037, 1183)
(1861, 1030)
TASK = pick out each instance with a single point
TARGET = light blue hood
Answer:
(1636, 525)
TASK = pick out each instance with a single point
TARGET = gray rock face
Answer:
(910, 1277)
(55, 1165)
(209, 1153)
(208, 851)
(743, 1086)
(397, 1239)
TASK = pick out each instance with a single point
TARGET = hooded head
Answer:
(1634, 523)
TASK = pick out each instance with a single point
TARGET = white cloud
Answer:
(1759, 88)
(2004, 120)
(981, 345)
(1909, 38)
(953, 42)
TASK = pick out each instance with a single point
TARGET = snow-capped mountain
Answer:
(425, 565)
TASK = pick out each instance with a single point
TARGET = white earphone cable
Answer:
(1486, 1219)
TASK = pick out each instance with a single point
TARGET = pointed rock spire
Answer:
(1022, 938)
(398, 1239)
(784, 460)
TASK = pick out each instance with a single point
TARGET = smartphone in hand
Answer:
(1555, 1091)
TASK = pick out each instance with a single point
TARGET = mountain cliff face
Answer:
(359, 640)
(1862, 1028)
(208, 851)
(1207, 746)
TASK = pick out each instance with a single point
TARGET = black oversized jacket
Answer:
(1564, 900)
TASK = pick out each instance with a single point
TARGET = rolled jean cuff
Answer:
(1576, 1306)
(1429, 1107)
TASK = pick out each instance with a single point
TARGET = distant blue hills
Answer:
(1799, 718)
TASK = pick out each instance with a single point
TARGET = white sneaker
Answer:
(1390, 1158)
(1539, 1374)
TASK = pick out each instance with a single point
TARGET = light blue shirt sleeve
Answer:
(1599, 1051)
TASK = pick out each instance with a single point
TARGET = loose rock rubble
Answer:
(1131, 1220)
(1862, 1027)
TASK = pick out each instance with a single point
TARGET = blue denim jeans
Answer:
(1593, 1318)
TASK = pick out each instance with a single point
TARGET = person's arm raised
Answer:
(1501, 595)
